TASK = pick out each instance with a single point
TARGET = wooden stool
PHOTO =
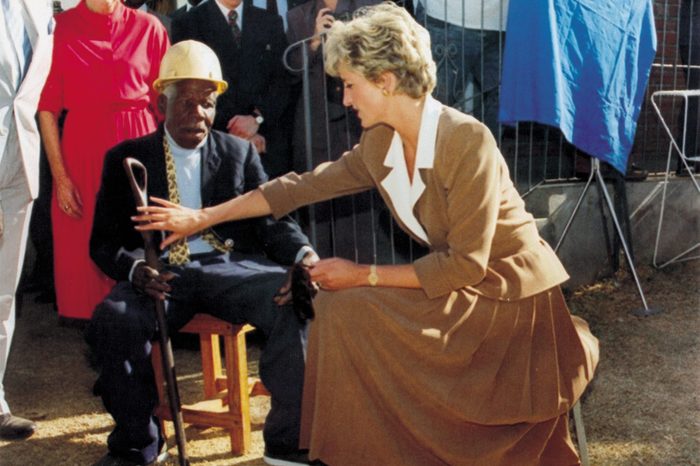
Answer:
(226, 397)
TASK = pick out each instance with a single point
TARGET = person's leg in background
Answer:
(15, 211)
(451, 60)
(41, 237)
(463, 54)
(486, 66)
(689, 50)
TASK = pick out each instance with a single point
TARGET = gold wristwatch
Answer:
(373, 278)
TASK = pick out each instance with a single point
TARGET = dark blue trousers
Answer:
(237, 288)
(689, 51)
(463, 55)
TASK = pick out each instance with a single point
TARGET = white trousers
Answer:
(15, 212)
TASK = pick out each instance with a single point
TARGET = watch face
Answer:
(373, 278)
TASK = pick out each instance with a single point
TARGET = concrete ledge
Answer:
(584, 251)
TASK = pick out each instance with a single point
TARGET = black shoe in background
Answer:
(15, 427)
(636, 173)
(682, 172)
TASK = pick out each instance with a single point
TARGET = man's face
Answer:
(189, 110)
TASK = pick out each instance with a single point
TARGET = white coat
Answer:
(20, 103)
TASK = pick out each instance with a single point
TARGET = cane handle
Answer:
(138, 183)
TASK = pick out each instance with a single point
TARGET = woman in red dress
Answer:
(105, 58)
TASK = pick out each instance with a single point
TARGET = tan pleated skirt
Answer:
(395, 378)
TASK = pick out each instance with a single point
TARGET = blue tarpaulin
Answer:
(582, 66)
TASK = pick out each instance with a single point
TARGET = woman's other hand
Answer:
(243, 126)
(67, 194)
(168, 216)
(68, 197)
(337, 274)
(259, 142)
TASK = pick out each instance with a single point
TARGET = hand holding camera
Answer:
(324, 20)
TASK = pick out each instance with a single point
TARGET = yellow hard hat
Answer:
(190, 59)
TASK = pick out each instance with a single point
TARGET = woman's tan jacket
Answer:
(481, 238)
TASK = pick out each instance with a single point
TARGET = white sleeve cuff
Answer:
(302, 252)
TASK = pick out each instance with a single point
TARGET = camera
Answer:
(344, 16)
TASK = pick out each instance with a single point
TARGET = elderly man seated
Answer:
(232, 271)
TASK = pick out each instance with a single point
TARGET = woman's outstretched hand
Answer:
(168, 216)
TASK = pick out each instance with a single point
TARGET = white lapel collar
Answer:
(396, 181)
(427, 140)
(427, 135)
(403, 194)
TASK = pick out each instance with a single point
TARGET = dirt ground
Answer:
(642, 409)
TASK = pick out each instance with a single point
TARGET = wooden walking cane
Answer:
(151, 252)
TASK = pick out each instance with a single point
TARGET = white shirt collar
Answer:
(224, 11)
(403, 193)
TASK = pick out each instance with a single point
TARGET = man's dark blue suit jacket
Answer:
(230, 167)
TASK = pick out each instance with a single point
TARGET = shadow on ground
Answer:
(643, 407)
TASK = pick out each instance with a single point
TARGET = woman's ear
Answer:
(388, 82)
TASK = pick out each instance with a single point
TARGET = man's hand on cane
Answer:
(151, 282)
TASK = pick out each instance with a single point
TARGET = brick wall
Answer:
(668, 72)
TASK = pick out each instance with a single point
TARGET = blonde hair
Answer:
(383, 38)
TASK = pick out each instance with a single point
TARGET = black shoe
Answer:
(15, 428)
(683, 172)
(288, 458)
(111, 460)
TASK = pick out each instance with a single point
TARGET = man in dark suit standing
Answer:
(280, 7)
(232, 271)
(189, 4)
(249, 42)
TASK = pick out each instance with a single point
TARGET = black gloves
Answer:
(303, 292)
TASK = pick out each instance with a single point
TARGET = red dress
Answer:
(102, 70)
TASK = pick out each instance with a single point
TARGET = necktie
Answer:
(233, 23)
(179, 252)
